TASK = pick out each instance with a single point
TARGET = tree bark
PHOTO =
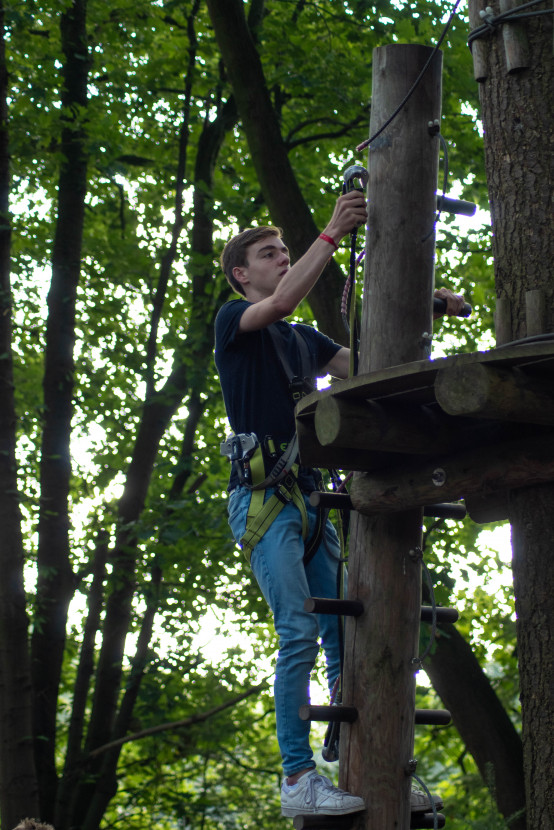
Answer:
(531, 512)
(18, 782)
(518, 114)
(481, 720)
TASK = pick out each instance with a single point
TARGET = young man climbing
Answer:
(256, 353)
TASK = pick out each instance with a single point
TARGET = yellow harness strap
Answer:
(261, 513)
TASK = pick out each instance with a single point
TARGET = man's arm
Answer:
(350, 211)
(339, 365)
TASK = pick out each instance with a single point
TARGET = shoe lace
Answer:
(323, 783)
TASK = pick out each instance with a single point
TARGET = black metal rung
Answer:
(339, 712)
(355, 608)
(323, 822)
(458, 206)
(425, 820)
(433, 717)
(445, 510)
(340, 501)
(443, 615)
(342, 607)
(417, 820)
(348, 714)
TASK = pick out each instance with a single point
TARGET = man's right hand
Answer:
(350, 212)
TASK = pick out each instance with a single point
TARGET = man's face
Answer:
(267, 262)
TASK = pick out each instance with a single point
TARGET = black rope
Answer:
(431, 801)
(417, 81)
(418, 661)
(491, 22)
(533, 338)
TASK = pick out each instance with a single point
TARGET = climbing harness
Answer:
(248, 455)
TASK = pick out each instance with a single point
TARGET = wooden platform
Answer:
(471, 427)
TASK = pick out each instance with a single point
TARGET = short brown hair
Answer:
(234, 252)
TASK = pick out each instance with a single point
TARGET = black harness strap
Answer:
(300, 386)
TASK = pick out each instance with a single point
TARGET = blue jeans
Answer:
(285, 583)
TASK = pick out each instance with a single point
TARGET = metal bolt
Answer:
(439, 477)
(415, 554)
(411, 766)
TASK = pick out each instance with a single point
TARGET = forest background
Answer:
(126, 161)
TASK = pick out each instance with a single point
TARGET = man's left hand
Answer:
(454, 302)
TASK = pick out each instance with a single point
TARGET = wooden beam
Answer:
(312, 454)
(514, 38)
(503, 320)
(366, 425)
(504, 466)
(477, 390)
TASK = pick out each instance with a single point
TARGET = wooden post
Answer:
(384, 567)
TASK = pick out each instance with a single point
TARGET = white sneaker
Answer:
(314, 794)
(419, 803)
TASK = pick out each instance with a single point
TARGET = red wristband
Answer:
(329, 239)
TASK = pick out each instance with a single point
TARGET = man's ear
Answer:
(239, 274)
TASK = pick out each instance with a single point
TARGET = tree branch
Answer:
(179, 724)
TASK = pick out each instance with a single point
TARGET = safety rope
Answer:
(418, 661)
(417, 81)
(430, 799)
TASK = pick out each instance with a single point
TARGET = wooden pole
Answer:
(384, 570)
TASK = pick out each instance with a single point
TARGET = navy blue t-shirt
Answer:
(254, 384)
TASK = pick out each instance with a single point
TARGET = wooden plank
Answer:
(415, 380)
(367, 425)
(312, 454)
(498, 467)
(478, 390)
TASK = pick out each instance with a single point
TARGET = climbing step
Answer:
(324, 822)
(443, 615)
(354, 608)
(342, 501)
(446, 510)
(348, 714)
(425, 820)
(342, 607)
(418, 820)
(432, 717)
(336, 712)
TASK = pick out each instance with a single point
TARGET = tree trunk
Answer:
(531, 512)
(108, 720)
(282, 194)
(481, 720)
(55, 578)
(18, 783)
(518, 114)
